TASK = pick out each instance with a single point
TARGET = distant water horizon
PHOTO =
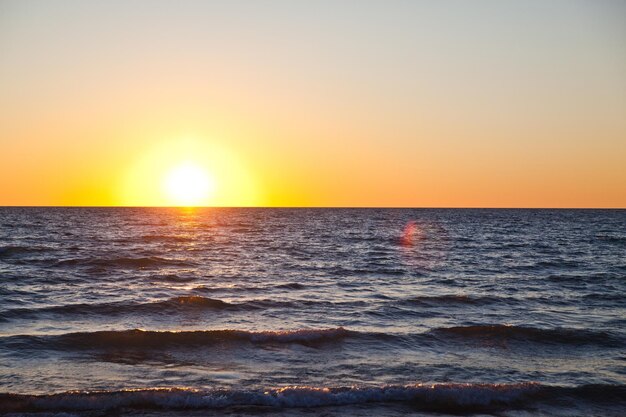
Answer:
(322, 207)
(157, 311)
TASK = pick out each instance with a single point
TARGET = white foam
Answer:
(302, 335)
(292, 396)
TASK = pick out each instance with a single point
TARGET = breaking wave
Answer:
(147, 339)
(491, 335)
(436, 397)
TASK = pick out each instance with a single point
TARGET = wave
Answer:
(147, 339)
(291, 286)
(173, 278)
(489, 335)
(11, 251)
(618, 240)
(231, 289)
(181, 304)
(123, 262)
(185, 302)
(503, 333)
(617, 298)
(580, 278)
(196, 301)
(245, 289)
(443, 300)
(164, 238)
(447, 397)
(546, 265)
(176, 304)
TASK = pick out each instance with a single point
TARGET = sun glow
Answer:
(189, 184)
(187, 173)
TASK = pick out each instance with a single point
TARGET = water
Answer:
(141, 311)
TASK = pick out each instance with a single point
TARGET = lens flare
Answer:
(410, 234)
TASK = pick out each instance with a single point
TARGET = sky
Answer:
(320, 103)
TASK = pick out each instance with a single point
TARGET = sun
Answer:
(188, 172)
(188, 184)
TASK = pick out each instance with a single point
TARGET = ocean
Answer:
(306, 312)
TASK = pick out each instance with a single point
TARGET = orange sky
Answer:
(420, 104)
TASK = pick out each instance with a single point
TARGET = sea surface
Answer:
(306, 312)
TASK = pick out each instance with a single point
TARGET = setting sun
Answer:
(188, 185)
(188, 172)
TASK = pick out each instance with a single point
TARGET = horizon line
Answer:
(323, 207)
